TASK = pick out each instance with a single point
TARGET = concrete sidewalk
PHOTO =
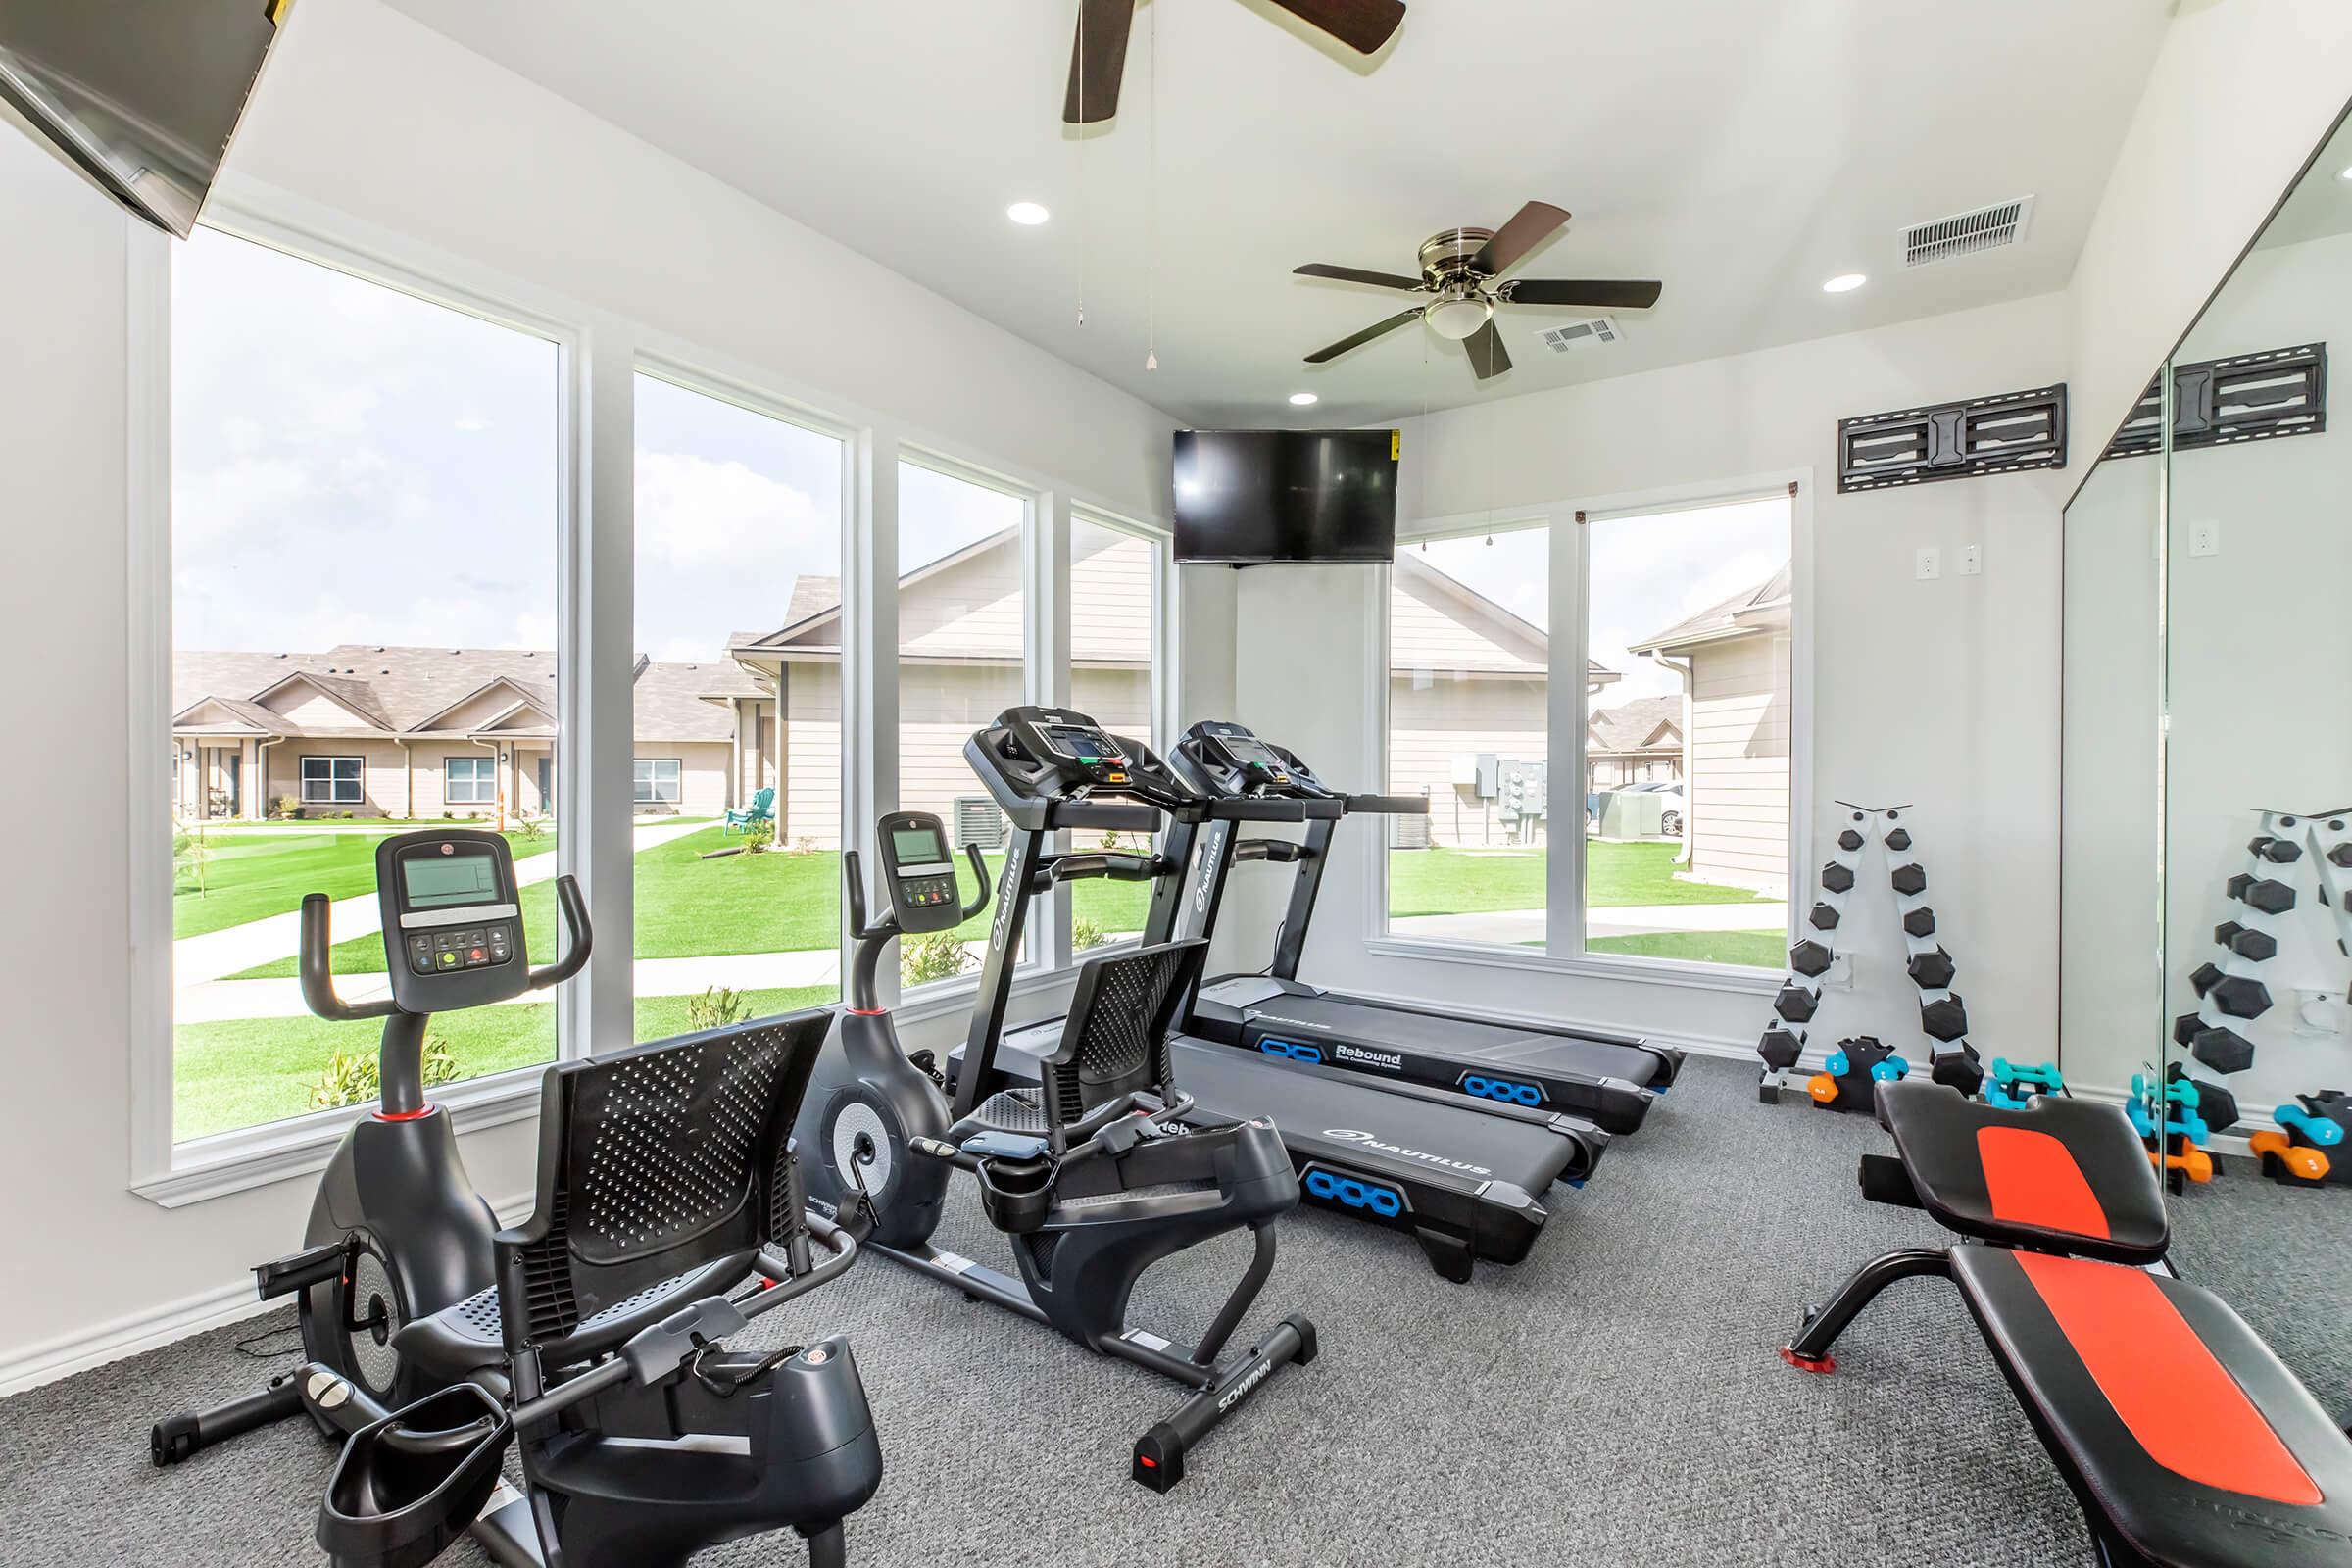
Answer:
(198, 960)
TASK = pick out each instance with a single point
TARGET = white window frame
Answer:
(168, 1172)
(1570, 568)
(600, 355)
(333, 795)
(1163, 683)
(476, 779)
(646, 776)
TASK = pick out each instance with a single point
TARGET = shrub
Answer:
(760, 836)
(1085, 934)
(716, 1007)
(189, 852)
(940, 955)
(353, 1078)
(286, 809)
(805, 844)
(530, 827)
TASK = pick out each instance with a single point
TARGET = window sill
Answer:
(1642, 971)
(945, 997)
(231, 1163)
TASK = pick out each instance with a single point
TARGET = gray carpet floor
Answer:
(1615, 1400)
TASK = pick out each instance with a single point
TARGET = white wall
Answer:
(395, 126)
(2241, 93)
(1940, 693)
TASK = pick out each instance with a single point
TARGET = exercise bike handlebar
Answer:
(853, 875)
(316, 965)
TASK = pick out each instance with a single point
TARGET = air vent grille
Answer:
(1966, 233)
(1594, 333)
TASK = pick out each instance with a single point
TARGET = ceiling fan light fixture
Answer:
(1458, 317)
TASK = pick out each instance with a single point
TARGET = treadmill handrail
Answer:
(1387, 805)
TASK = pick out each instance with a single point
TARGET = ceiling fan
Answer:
(1459, 266)
(1099, 57)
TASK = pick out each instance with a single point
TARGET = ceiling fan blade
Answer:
(1365, 336)
(1364, 26)
(1487, 355)
(1098, 60)
(1622, 295)
(1356, 274)
(1531, 226)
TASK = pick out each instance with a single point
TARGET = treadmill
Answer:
(1467, 1183)
(1608, 1078)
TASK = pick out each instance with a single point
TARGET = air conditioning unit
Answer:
(978, 821)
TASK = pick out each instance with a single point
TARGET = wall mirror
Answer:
(2207, 960)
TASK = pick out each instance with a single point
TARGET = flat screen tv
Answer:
(1246, 497)
(141, 96)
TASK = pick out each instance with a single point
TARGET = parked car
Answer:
(1670, 820)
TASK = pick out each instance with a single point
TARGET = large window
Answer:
(331, 780)
(1469, 682)
(469, 781)
(1688, 614)
(1114, 599)
(739, 633)
(963, 653)
(658, 781)
(343, 453)
(1659, 827)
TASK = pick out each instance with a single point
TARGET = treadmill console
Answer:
(920, 872)
(452, 919)
(1225, 759)
(1063, 753)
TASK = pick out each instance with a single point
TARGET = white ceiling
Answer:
(1741, 151)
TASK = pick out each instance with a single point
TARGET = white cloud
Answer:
(697, 515)
(214, 508)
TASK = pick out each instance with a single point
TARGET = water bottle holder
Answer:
(1017, 1194)
(408, 1485)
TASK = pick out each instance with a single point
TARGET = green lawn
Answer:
(248, 1071)
(259, 870)
(1752, 950)
(1472, 881)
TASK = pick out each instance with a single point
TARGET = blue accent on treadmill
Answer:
(1294, 1049)
(1503, 1089)
(1355, 1192)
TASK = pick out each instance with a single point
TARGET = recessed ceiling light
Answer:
(1844, 284)
(1029, 214)
(2346, 174)
(1301, 399)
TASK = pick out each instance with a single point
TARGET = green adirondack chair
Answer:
(761, 809)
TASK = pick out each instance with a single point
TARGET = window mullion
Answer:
(1564, 719)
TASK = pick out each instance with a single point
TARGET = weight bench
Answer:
(2186, 1441)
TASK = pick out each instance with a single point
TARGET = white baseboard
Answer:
(136, 1332)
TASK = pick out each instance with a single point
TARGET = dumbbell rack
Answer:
(2230, 991)
(1942, 1014)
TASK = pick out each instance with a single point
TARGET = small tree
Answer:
(189, 852)
(759, 837)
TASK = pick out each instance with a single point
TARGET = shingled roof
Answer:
(1761, 607)
(1633, 727)
(385, 691)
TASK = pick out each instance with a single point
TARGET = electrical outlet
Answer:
(1971, 561)
(1931, 565)
(2205, 538)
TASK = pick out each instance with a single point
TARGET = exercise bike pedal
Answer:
(298, 1271)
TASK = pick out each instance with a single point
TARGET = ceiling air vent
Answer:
(1594, 333)
(1966, 233)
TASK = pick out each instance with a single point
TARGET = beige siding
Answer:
(701, 776)
(1740, 731)
(384, 785)
(971, 610)
(1432, 725)
(1430, 634)
(1110, 599)
(305, 707)
(809, 800)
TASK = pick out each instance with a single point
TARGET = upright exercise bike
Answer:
(1062, 1171)
(593, 1330)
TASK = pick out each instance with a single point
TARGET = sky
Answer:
(352, 464)
(1645, 575)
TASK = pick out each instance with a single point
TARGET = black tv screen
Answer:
(1250, 496)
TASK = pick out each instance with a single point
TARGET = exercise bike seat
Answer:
(2062, 1175)
(2185, 1438)
(469, 1338)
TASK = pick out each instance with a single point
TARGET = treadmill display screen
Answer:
(445, 881)
(1085, 745)
(1249, 751)
(918, 846)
